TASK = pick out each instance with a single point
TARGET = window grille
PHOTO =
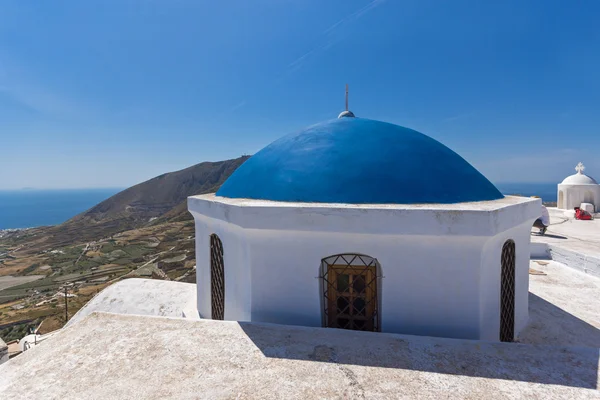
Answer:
(217, 278)
(507, 293)
(350, 297)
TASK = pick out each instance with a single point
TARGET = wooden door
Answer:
(352, 297)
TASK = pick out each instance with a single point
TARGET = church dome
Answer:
(579, 179)
(358, 161)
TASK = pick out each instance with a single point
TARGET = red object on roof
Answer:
(582, 214)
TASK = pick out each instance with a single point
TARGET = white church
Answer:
(579, 190)
(364, 225)
(352, 224)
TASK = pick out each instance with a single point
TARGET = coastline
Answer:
(27, 209)
(6, 232)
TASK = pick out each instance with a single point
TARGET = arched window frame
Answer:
(352, 264)
(507, 291)
(217, 278)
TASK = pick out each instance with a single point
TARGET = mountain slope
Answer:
(137, 205)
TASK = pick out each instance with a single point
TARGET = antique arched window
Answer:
(217, 278)
(507, 292)
(350, 295)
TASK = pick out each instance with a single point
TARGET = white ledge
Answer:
(471, 219)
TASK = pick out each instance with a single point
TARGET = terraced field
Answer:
(33, 279)
(10, 281)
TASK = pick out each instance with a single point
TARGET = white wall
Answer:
(430, 285)
(433, 283)
(203, 267)
(237, 272)
(574, 195)
(491, 269)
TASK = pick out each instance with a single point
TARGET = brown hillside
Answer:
(136, 206)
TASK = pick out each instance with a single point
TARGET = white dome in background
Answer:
(579, 178)
(579, 190)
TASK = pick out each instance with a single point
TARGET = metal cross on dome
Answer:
(579, 168)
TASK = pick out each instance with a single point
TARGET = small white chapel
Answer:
(579, 190)
(364, 225)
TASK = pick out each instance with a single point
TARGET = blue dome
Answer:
(358, 161)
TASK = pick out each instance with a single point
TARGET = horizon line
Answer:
(26, 189)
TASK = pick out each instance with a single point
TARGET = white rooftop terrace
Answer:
(113, 356)
(564, 307)
(569, 241)
(142, 297)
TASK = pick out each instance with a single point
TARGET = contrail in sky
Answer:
(327, 40)
(355, 15)
(328, 34)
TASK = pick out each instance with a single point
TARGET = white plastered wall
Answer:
(573, 195)
(440, 263)
(491, 269)
(429, 284)
(236, 269)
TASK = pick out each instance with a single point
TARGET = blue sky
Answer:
(111, 93)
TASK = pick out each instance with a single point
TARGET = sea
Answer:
(547, 191)
(31, 208)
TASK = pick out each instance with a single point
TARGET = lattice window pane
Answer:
(350, 292)
(343, 283)
(217, 278)
(507, 293)
(360, 306)
(358, 283)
